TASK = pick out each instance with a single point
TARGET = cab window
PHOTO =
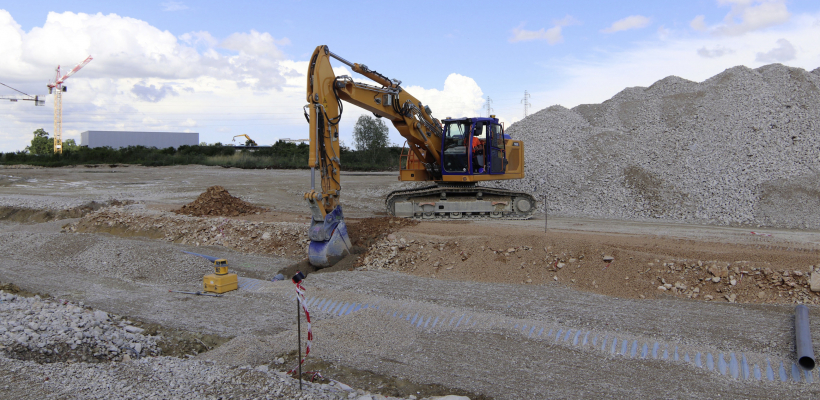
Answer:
(455, 149)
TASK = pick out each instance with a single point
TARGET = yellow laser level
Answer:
(220, 281)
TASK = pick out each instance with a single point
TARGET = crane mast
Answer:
(58, 102)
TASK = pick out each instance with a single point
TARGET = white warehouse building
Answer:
(118, 139)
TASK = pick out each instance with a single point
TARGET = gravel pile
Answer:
(740, 148)
(46, 330)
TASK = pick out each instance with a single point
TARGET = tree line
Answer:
(372, 153)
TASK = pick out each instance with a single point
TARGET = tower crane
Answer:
(25, 97)
(58, 102)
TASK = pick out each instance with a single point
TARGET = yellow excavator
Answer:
(248, 141)
(454, 153)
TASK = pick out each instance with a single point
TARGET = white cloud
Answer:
(783, 52)
(597, 79)
(663, 32)
(630, 22)
(151, 93)
(127, 47)
(145, 78)
(745, 16)
(199, 38)
(715, 52)
(552, 35)
(173, 6)
(254, 43)
(699, 23)
(461, 96)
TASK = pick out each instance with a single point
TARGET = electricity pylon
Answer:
(526, 102)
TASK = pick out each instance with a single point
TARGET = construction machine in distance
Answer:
(454, 153)
(248, 142)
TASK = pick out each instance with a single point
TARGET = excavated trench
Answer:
(30, 215)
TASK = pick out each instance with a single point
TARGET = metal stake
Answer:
(546, 214)
(299, 340)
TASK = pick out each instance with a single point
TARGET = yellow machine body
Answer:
(220, 281)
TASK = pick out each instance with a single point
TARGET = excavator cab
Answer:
(473, 146)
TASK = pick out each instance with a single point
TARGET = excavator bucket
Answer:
(329, 242)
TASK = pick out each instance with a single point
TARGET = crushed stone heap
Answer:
(740, 148)
(216, 201)
(49, 330)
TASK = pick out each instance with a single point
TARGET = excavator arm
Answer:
(248, 142)
(325, 94)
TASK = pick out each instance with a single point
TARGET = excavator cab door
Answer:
(495, 142)
(478, 147)
(455, 147)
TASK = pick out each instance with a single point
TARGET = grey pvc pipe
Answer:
(805, 350)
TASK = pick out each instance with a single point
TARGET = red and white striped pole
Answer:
(300, 303)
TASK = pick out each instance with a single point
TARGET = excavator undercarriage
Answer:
(460, 201)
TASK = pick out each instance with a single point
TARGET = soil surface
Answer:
(753, 269)
(486, 309)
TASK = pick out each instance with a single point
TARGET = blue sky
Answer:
(228, 68)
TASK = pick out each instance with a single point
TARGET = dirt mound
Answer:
(216, 201)
(366, 232)
(761, 270)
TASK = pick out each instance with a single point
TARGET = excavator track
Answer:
(460, 202)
